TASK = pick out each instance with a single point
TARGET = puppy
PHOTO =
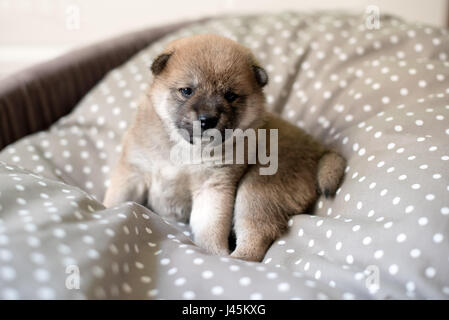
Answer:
(218, 82)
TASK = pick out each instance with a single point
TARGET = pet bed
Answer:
(380, 97)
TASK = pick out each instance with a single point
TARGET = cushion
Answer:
(378, 96)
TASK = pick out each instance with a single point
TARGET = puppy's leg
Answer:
(125, 185)
(264, 204)
(257, 223)
(211, 218)
(331, 169)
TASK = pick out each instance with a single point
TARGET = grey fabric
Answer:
(380, 97)
(33, 99)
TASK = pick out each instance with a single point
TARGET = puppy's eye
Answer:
(186, 92)
(230, 96)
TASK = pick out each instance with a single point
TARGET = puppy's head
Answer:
(210, 79)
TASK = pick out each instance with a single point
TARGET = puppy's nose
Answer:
(207, 121)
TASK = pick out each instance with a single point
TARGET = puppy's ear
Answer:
(159, 63)
(261, 75)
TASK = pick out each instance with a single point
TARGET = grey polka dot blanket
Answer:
(378, 96)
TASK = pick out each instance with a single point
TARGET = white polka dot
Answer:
(338, 246)
(415, 253)
(410, 286)
(393, 269)
(430, 197)
(245, 281)
(423, 221)
(256, 296)
(59, 233)
(180, 281)
(418, 47)
(366, 241)
(172, 271)
(401, 238)
(348, 296)
(9, 294)
(378, 254)
(7, 273)
(207, 274)
(93, 254)
(430, 272)
(388, 225)
(396, 200)
(41, 275)
(436, 176)
(5, 255)
(189, 295)
(283, 287)
(99, 273)
(438, 238)
(153, 292)
(46, 293)
(349, 259)
(445, 290)
(409, 209)
(217, 290)
(277, 79)
(4, 239)
(234, 267)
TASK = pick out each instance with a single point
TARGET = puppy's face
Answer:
(209, 79)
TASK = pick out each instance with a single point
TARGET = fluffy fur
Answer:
(218, 198)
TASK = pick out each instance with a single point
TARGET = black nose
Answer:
(207, 121)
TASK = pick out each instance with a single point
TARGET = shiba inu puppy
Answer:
(218, 84)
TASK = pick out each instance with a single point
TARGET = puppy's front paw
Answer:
(253, 254)
(211, 245)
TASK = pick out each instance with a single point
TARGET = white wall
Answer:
(36, 30)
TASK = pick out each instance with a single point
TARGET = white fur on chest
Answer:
(169, 193)
(168, 184)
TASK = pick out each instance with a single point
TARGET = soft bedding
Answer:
(380, 97)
